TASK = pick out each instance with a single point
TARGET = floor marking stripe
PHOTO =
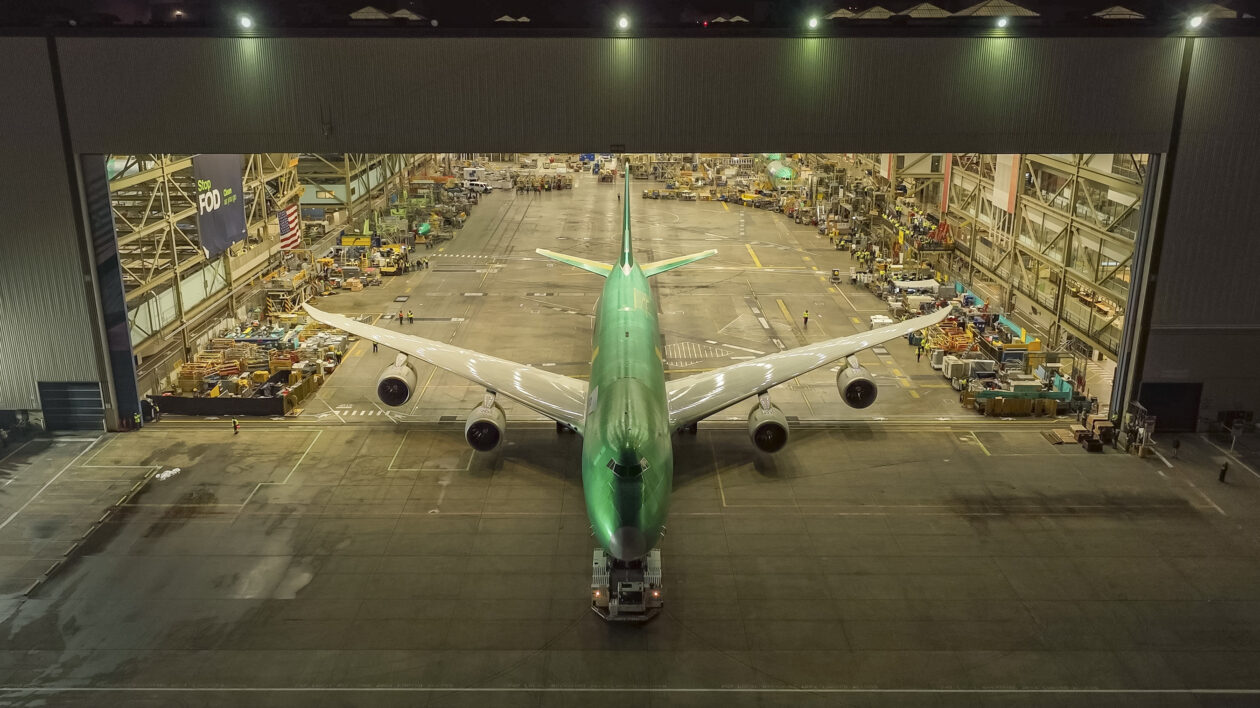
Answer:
(14, 450)
(48, 484)
(977, 439)
(753, 253)
(1206, 498)
(1230, 455)
(786, 315)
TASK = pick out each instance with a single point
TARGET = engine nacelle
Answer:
(768, 428)
(484, 428)
(396, 383)
(855, 384)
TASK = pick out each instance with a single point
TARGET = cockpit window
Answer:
(625, 470)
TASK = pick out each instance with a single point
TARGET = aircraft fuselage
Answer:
(627, 455)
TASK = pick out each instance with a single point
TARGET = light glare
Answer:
(813, 22)
(1196, 22)
(246, 21)
(1001, 22)
(623, 22)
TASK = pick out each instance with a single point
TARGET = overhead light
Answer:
(623, 22)
(245, 21)
(1002, 22)
(813, 23)
(1196, 22)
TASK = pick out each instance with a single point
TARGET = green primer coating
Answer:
(627, 417)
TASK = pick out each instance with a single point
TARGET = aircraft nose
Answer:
(627, 543)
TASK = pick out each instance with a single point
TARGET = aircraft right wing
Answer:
(698, 396)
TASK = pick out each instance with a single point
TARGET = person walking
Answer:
(1176, 447)
(400, 317)
(135, 418)
(918, 353)
(373, 347)
(805, 320)
(1224, 471)
(411, 319)
(236, 426)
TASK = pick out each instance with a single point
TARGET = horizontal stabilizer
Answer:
(584, 263)
(657, 267)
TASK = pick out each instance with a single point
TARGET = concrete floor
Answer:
(864, 565)
(307, 562)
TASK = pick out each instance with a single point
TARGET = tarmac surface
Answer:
(375, 560)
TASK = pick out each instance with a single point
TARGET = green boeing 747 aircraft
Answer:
(627, 412)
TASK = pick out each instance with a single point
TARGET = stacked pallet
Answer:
(280, 360)
(949, 338)
(208, 357)
(192, 374)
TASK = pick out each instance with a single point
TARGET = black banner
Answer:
(220, 203)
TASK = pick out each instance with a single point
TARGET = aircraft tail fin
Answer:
(627, 244)
(658, 267)
(577, 262)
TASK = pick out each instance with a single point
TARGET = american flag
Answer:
(290, 229)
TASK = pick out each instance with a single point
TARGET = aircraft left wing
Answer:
(558, 397)
(698, 396)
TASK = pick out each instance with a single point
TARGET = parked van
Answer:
(475, 186)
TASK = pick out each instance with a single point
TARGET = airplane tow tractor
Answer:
(626, 591)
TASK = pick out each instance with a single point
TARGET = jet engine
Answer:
(396, 383)
(855, 384)
(767, 426)
(484, 428)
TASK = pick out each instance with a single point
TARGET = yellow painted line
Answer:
(897, 372)
(914, 394)
(407, 290)
(832, 290)
(935, 386)
(982, 447)
(905, 383)
(753, 254)
(441, 249)
(783, 307)
(856, 320)
(724, 206)
(806, 258)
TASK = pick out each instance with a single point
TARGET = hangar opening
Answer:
(218, 253)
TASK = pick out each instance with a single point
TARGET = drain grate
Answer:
(402, 298)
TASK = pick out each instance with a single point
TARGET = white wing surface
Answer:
(558, 397)
(698, 396)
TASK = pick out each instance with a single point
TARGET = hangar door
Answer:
(69, 405)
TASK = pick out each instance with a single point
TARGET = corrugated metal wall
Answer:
(506, 95)
(44, 325)
(805, 94)
(1206, 320)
